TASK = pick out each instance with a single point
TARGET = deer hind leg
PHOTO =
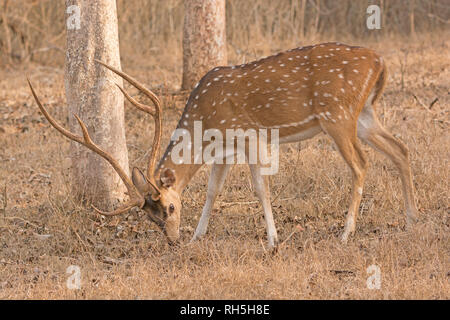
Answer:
(352, 153)
(215, 185)
(262, 189)
(375, 135)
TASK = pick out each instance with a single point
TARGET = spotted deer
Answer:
(330, 88)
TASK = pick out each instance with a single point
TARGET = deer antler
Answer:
(158, 123)
(136, 198)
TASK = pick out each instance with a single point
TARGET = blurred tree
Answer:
(7, 40)
(92, 33)
(204, 39)
(412, 28)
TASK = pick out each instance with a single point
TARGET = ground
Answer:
(44, 230)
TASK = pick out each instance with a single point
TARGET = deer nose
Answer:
(173, 238)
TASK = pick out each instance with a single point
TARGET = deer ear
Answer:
(167, 178)
(139, 181)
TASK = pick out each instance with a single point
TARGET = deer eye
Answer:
(171, 208)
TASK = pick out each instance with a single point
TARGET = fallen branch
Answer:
(433, 102)
(421, 103)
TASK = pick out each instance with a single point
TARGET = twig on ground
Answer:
(298, 228)
(421, 103)
(433, 102)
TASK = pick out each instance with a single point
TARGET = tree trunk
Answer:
(302, 20)
(92, 94)
(411, 19)
(317, 19)
(204, 39)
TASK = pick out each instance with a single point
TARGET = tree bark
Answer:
(92, 94)
(204, 39)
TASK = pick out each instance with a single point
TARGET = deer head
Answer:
(162, 207)
(152, 192)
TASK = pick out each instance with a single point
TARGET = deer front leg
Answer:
(261, 185)
(215, 184)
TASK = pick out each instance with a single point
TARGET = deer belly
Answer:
(300, 135)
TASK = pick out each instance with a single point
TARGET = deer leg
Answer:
(352, 153)
(261, 185)
(375, 135)
(215, 184)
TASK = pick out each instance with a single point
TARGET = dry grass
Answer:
(43, 230)
(35, 30)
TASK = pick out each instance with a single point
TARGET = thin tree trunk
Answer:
(316, 21)
(411, 19)
(92, 94)
(302, 19)
(204, 39)
(7, 41)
